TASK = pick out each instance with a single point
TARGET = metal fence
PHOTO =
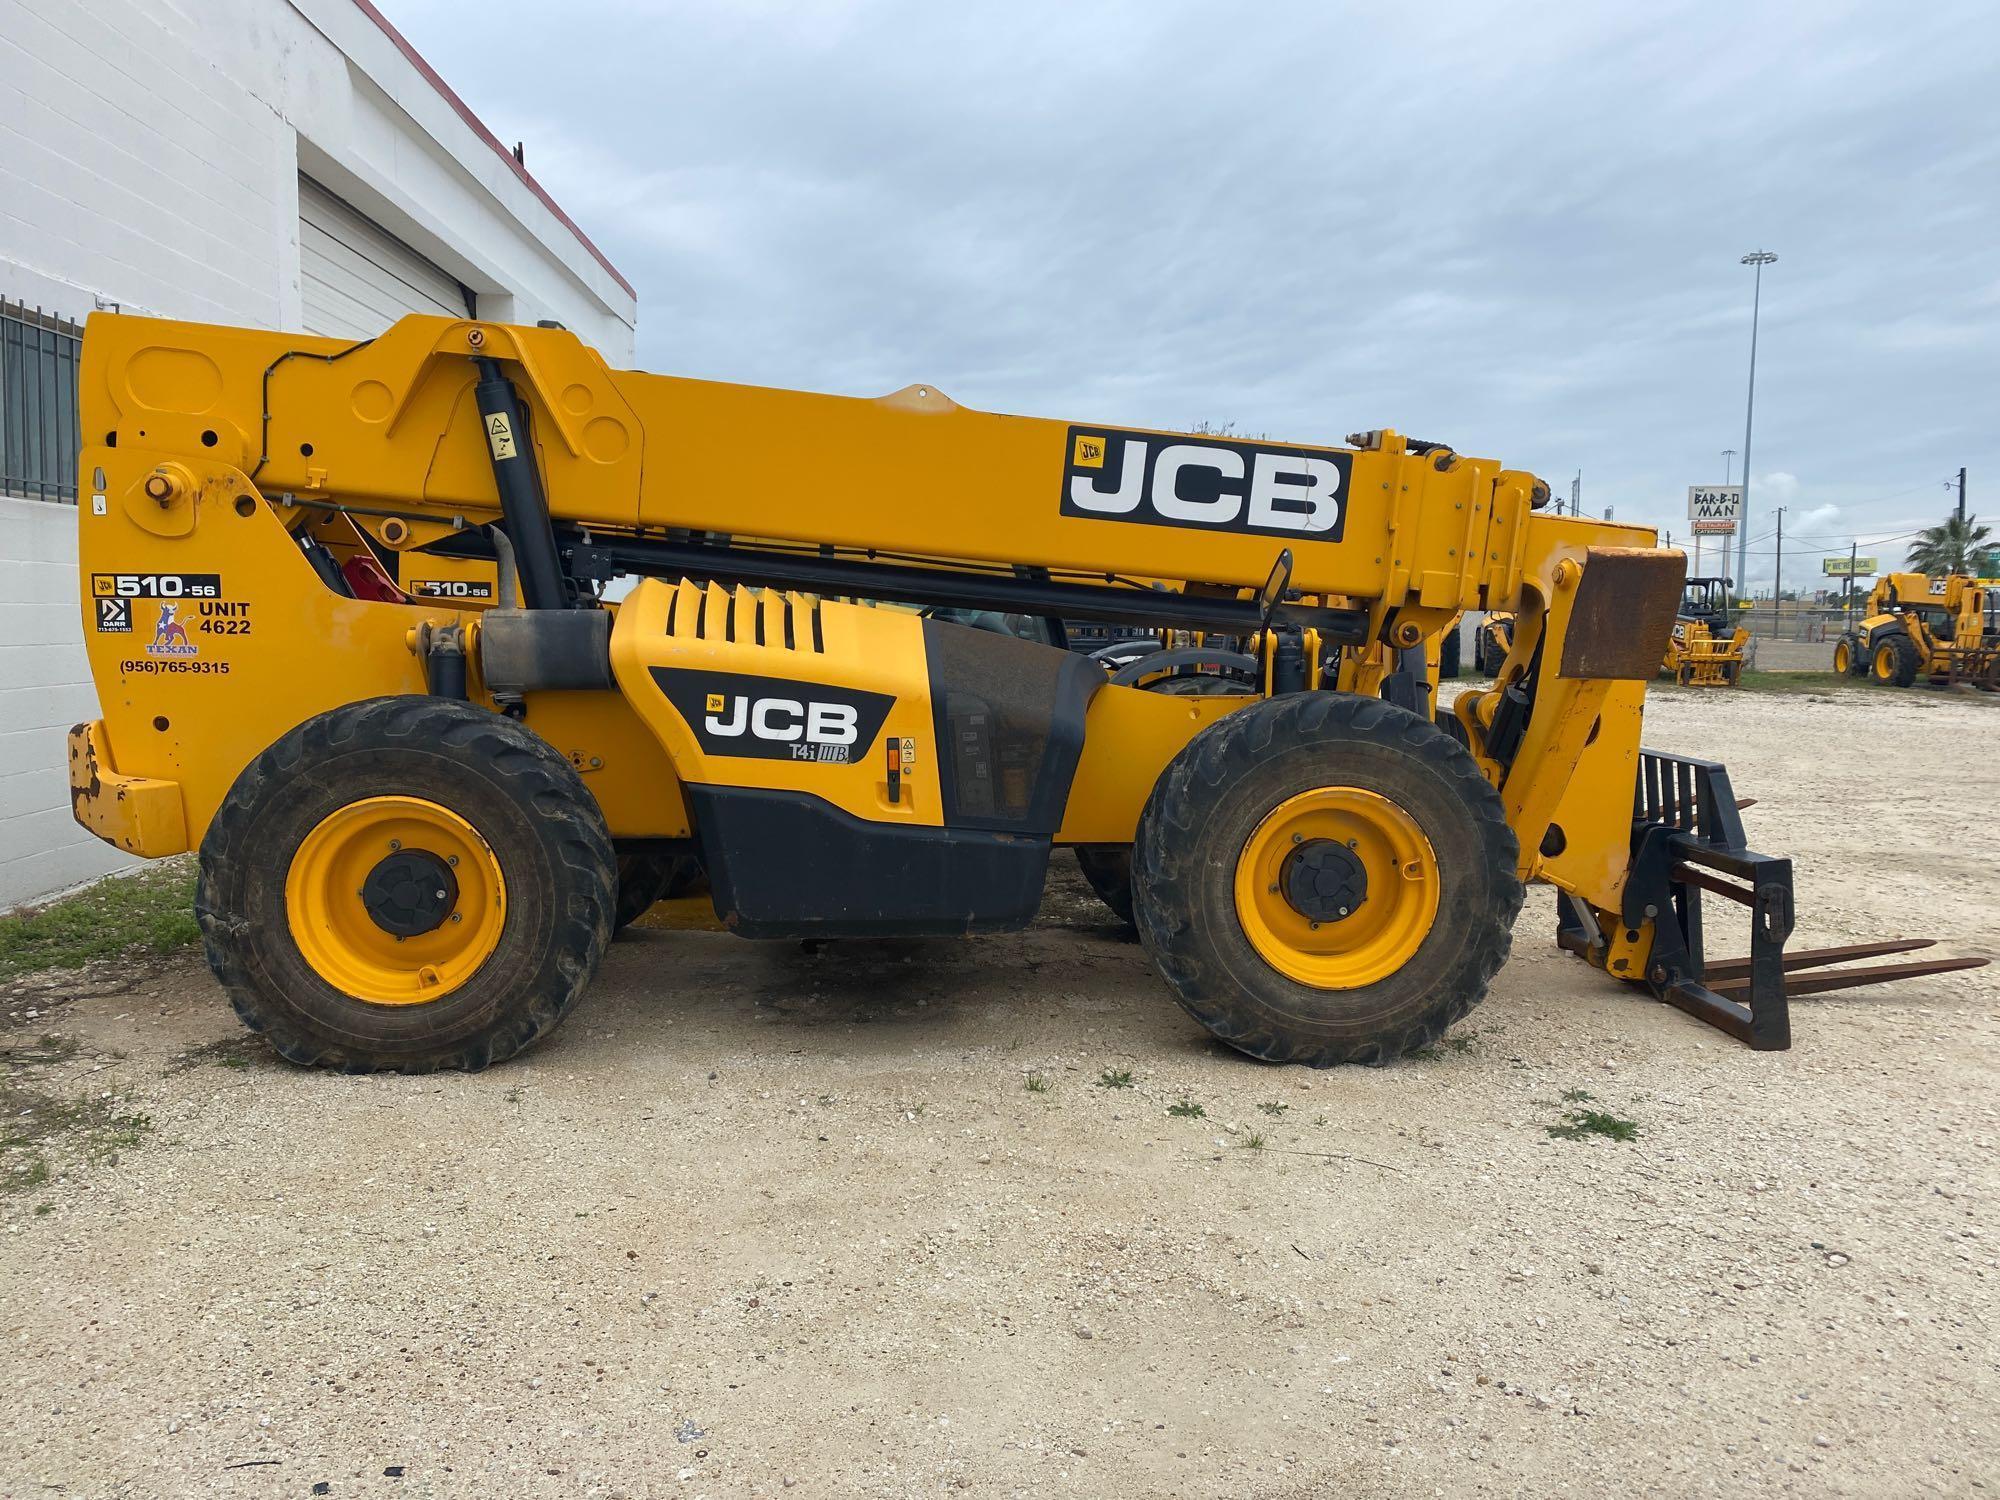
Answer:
(39, 435)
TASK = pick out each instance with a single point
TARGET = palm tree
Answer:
(1953, 546)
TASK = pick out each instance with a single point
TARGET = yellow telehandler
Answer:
(413, 805)
(1941, 629)
(1705, 650)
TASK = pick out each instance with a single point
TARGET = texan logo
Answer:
(170, 637)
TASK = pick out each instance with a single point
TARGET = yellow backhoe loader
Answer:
(413, 804)
(1940, 630)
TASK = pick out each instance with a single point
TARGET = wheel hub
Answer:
(1323, 880)
(395, 900)
(410, 892)
(1337, 887)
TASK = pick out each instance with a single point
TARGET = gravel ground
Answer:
(759, 1220)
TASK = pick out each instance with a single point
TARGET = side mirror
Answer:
(1272, 594)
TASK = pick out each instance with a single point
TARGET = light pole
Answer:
(1727, 469)
(1758, 259)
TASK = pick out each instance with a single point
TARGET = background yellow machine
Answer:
(1939, 630)
(1705, 649)
(346, 607)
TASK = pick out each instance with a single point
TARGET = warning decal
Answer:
(500, 435)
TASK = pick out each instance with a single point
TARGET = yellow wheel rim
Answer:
(395, 900)
(1842, 660)
(1885, 664)
(1297, 872)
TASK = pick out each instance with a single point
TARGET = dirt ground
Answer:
(874, 1222)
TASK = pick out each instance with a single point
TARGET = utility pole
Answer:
(1728, 457)
(1778, 580)
(1852, 547)
(1961, 497)
(1576, 494)
(1759, 259)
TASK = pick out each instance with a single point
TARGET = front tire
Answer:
(1254, 834)
(408, 883)
(1895, 662)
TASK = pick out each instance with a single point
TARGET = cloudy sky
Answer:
(1512, 227)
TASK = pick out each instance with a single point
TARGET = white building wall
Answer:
(149, 158)
(44, 688)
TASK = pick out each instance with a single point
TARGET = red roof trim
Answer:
(478, 128)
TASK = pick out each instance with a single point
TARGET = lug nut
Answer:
(395, 844)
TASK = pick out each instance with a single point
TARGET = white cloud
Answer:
(1307, 222)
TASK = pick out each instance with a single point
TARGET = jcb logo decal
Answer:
(774, 718)
(1256, 488)
(830, 727)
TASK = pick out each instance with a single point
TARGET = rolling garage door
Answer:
(357, 278)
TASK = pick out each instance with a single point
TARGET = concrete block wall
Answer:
(44, 688)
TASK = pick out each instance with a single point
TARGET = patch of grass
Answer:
(1254, 1141)
(34, 1123)
(230, 1052)
(1578, 1123)
(1459, 1043)
(1828, 681)
(1186, 1109)
(1034, 1083)
(24, 1175)
(149, 912)
(1120, 1078)
(1577, 1096)
(50, 1049)
(1273, 1108)
(119, 1133)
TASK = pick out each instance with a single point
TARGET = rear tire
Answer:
(1214, 810)
(298, 892)
(647, 877)
(1491, 656)
(1848, 657)
(1451, 653)
(1108, 869)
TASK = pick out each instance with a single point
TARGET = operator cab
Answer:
(1706, 600)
